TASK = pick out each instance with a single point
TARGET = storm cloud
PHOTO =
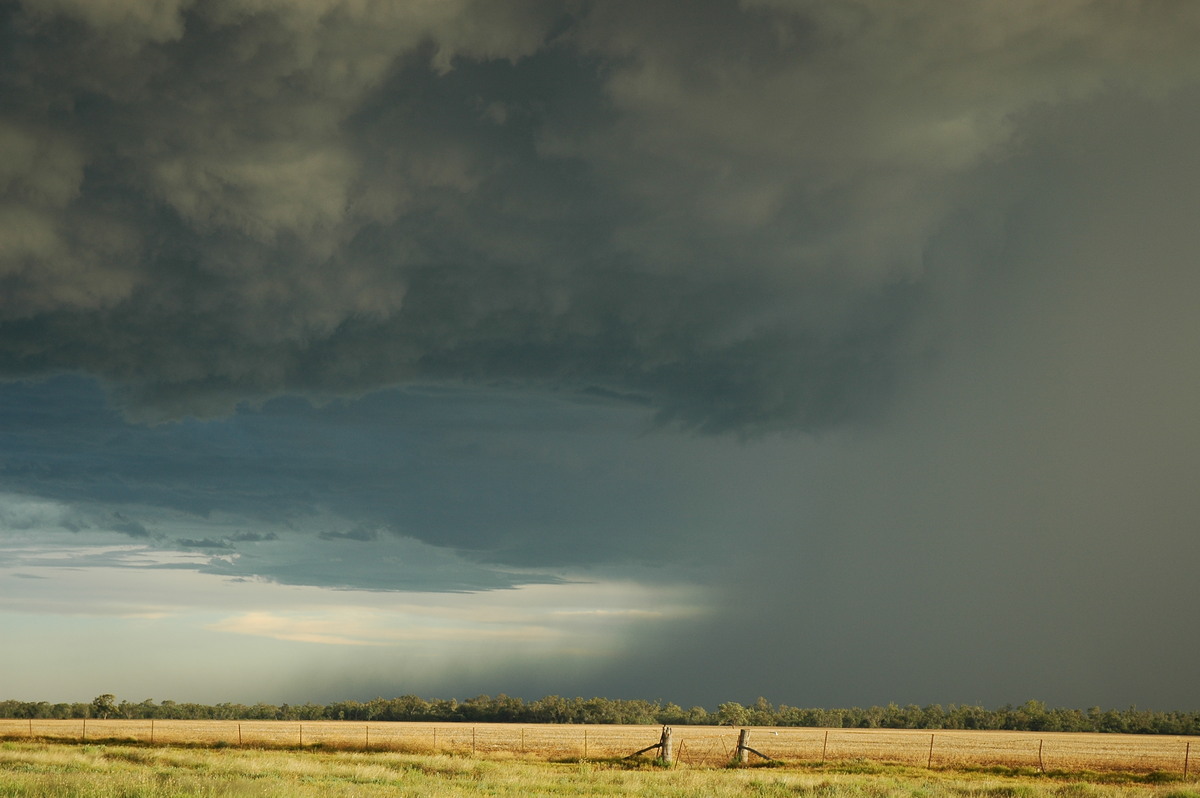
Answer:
(468, 296)
(722, 210)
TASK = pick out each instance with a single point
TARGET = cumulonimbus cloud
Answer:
(723, 210)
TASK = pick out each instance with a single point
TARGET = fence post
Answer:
(85, 730)
(1187, 754)
(239, 734)
(825, 746)
(743, 750)
(667, 747)
(1041, 762)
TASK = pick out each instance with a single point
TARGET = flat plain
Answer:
(695, 745)
(40, 769)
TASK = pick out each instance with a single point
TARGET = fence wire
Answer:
(699, 745)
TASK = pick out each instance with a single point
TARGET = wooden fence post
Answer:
(743, 750)
(667, 747)
(930, 764)
(1041, 762)
(825, 746)
(1187, 754)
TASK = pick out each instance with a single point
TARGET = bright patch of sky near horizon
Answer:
(840, 353)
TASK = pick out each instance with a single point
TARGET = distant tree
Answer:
(731, 713)
(103, 705)
(552, 709)
(672, 714)
(762, 713)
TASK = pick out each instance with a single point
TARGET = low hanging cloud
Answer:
(724, 211)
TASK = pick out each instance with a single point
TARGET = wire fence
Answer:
(697, 745)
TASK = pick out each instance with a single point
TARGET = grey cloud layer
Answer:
(324, 494)
(724, 210)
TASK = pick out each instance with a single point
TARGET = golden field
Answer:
(38, 769)
(698, 745)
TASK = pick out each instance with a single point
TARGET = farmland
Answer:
(39, 769)
(695, 745)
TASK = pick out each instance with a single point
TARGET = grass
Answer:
(1029, 752)
(32, 769)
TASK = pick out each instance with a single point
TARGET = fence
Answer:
(698, 745)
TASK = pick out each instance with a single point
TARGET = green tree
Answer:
(103, 705)
(731, 713)
(762, 713)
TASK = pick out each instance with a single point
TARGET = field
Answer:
(33, 769)
(695, 745)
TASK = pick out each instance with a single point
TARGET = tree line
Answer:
(1030, 716)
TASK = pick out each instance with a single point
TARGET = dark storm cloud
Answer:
(508, 478)
(717, 208)
(204, 543)
(253, 537)
(128, 526)
(361, 534)
(435, 266)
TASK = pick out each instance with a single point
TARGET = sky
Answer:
(839, 353)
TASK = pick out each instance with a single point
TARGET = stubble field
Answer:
(40, 769)
(695, 745)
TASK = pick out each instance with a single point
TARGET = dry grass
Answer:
(695, 745)
(33, 769)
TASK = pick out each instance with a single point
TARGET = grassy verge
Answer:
(126, 771)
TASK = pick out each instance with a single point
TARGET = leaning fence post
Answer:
(743, 750)
(825, 745)
(1187, 753)
(930, 764)
(667, 748)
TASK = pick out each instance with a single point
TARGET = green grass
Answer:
(38, 770)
